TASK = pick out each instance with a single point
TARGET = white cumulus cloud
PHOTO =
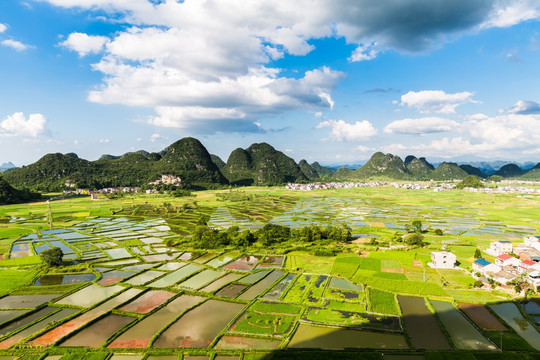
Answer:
(16, 45)
(342, 130)
(84, 44)
(507, 13)
(217, 57)
(435, 101)
(420, 126)
(525, 107)
(364, 52)
(3, 28)
(18, 125)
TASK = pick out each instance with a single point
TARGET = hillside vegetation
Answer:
(260, 164)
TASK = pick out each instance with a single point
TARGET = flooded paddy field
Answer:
(481, 316)
(462, 332)
(113, 277)
(199, 327)
(221, 282)
(312, 336)
(421, 325)
(513, 317)
(25, 301)
(36, 327)
(229, 342)
(230, 291)
(232, 301)
(96, 335)
(148, 301)
(140, 335)
(201, 279)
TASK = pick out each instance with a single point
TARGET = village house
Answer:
(483, 266)
(442, 260)
(525, 265)
(505, 260)
(532, 242)
(534, 278)
(497, 248)
(502, 276)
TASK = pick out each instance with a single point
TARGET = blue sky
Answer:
(326, 80)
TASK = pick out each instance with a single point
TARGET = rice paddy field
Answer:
(123, 293)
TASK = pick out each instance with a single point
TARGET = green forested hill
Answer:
(10, 195)
(383, 165)
(261, 164)
(308, 171)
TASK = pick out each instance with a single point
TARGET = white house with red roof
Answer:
(525, 265)
(505, 260)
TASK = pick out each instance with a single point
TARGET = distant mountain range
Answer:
(259, 164)
(6, 166)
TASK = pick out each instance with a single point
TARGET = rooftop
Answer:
(504, 257)
(482, 262)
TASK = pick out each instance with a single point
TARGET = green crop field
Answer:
(147, 238)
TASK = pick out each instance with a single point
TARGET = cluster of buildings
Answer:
(334, 185)
(431, 185)
(110, 190)
(505, 190)
(511, 262)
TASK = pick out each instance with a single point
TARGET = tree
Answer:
(416, 226)
(477, 254)
(415, 239)
(52, 257)
(438, 232)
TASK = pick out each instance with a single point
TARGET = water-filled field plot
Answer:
(279, 288)
(513, 317)
(229, 342)
(148, 301)
(140, 335)
(481, 316)
(145, 277)
(462, 332)
(271, 262)
(63, 279)
(80, 321)
(261, 286)
(221, 282)
(25, 301)
(223, 259)
(201, 279)
(90, 295)
(198, 327)
(312, 336)
(243, 263)
(96, 335)
(230, 291)
(36, 327)
(176, 276)
(114, 277)
(421, 325)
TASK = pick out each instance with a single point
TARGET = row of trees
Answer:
(205, 237)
